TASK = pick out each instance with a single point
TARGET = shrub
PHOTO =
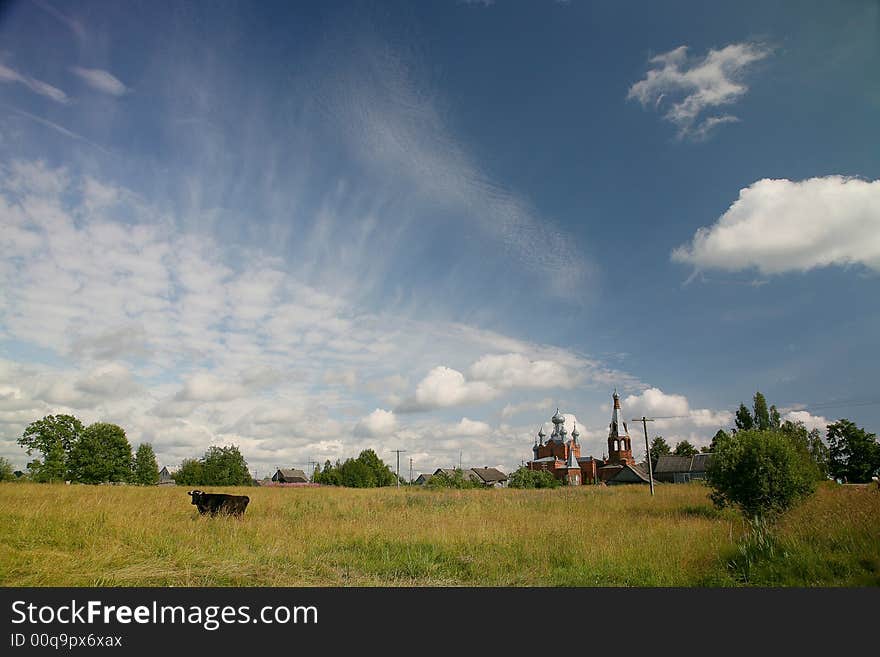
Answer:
(763, 473)
(525, 478)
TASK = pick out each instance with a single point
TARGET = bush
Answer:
(221, 466)
(454, 480)
(763, 473)
(525, 478)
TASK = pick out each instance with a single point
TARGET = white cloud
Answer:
(809, 420)
(675, 419)
(518, 371)
(37, 86)
(467, 428)
(378, 423)
(697, 85)
(444, 387)
(510, 410)
(187, 341)
(778, 226)
(101, 80)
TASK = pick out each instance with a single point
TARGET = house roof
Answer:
(490, 475)
(700, 462)
(290, 474)
(695, 463)
(638, 470)
(469, 474)
(673, 464)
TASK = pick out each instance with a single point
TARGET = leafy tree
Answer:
(101, 454)
(719, 436)
(684, 448)
(54, 437)
(330, 475)
(145, 470)
(775, 420)
(454, 480)
(525, 478)
(316, 474)
(762, 414)
(743, 419)
(761, 472)
(225, 466)
(809, 443)
(41, 435)
(854, 454)
(190, 473)
(659, 447)
(381, 472)
(6, 470)
(354, 473)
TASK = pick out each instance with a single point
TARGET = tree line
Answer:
(93, 454)
(848, 453)
(100, 453)
(365, 471)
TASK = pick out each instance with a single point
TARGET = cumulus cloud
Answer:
(690, 87)
(675, 420)
(44, 89)
(101, 80)
(779, 226)
(378, 423)
(188, 342)
(444, 387)
(809, 420)
(518, 371)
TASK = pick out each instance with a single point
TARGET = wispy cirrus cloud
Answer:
(687, 88)
(100, 80)
(187, 341)
(9, 75)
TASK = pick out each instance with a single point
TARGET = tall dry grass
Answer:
(129, 536)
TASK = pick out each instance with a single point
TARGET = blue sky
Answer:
(312, 229)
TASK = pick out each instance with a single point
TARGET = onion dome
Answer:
(557, 418)
(575, 433)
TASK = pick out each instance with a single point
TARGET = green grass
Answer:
(56, 535)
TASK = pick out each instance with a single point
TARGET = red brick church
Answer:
(561, 455)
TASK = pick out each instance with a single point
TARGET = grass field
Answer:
(56, 535)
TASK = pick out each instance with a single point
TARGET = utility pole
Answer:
(459, 459)
(644, 420)
(398, 451)
(313, 464)
(410, 469)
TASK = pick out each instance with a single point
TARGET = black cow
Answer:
(219, 503)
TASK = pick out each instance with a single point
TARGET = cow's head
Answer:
(195, 495)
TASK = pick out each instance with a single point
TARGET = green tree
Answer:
(525, 478)
(316, 474)
(743, 419)
(854, 454)
(381, 472)
(145, 470)
(775, 420)
(762, 414)
(454, 480)
(225, 466)
(101, 454)
(54, 438)
(684, 448)
(190, 473)
(659, 447)
(6, 470)
(719, 436)
(329, 476)
(809, 443)
(354, 473)
(761, 472)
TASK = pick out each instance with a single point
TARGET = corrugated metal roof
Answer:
(701, 462)
(673, 464)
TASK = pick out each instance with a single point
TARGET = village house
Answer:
(285, 476)
(166, 476)
(682, 469)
